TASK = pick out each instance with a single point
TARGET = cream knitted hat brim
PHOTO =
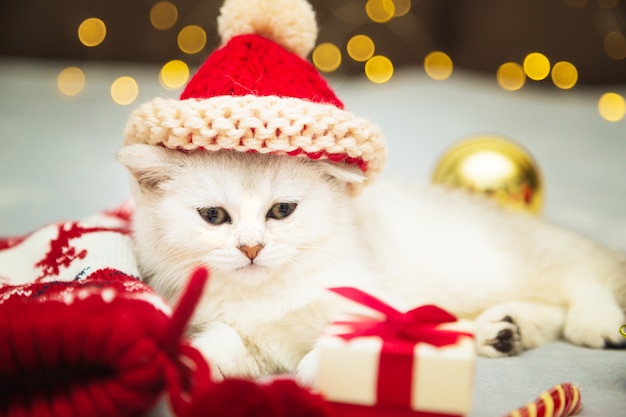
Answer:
(267, 125)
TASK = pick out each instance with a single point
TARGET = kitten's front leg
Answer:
(226, 352)
(507, 329)
(594, 318)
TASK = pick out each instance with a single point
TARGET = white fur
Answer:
(526, 282)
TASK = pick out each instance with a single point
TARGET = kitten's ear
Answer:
(150, 165)
(348, 173)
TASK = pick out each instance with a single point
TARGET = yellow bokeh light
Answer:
(615, 45)
(536, 66)
(511, 76)
(380, 11)
(401, 7)
(612, 107)
(564, 75)
(191, 39)
(379, 69)
(163, 15)
(438, 65)
(124, 90)
(174, 74)
(360, 48)
(326, 57)
(71, 81)
(92, 31)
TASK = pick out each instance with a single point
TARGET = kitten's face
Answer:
(244, 215)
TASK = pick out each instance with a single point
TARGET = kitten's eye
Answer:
(281, 210)
(214, 215)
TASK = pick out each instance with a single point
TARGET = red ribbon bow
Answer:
(417, 325)
(395, 369)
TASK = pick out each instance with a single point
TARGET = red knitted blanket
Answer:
(81, 334)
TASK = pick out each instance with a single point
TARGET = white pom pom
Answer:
(290, 23)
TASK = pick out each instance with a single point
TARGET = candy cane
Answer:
(562, 400)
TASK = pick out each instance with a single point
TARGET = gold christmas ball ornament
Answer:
(496, 167)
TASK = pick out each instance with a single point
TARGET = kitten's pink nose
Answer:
(251, 251)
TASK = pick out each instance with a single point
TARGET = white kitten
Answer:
(276, 231)
(524, 280)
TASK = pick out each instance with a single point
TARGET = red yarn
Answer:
(242, 398)
(334, 157)
(95, 347)
(185, 384)
(252, 64)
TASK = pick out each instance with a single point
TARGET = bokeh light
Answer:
(438, 65)
(326, 57)
(612, 107)
(163, 15)
(124, 90)
(615, 45)
(191, 39)
(536, 66)
(564, 75)
(401, 7)
(380, 11)
(71, 81)
(360, 48)
(174, 74)
(511, 76)
(92, 31)
(379, 69)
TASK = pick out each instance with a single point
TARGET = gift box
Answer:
(418, 363)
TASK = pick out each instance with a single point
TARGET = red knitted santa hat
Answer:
(257, 93)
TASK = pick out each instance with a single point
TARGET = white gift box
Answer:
(398, 374)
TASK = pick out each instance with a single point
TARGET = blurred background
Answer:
(588, 35)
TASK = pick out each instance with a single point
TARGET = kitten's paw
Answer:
(307, 368)
(509, 328)
(498, 338)
(226, 353)
(595, 326)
